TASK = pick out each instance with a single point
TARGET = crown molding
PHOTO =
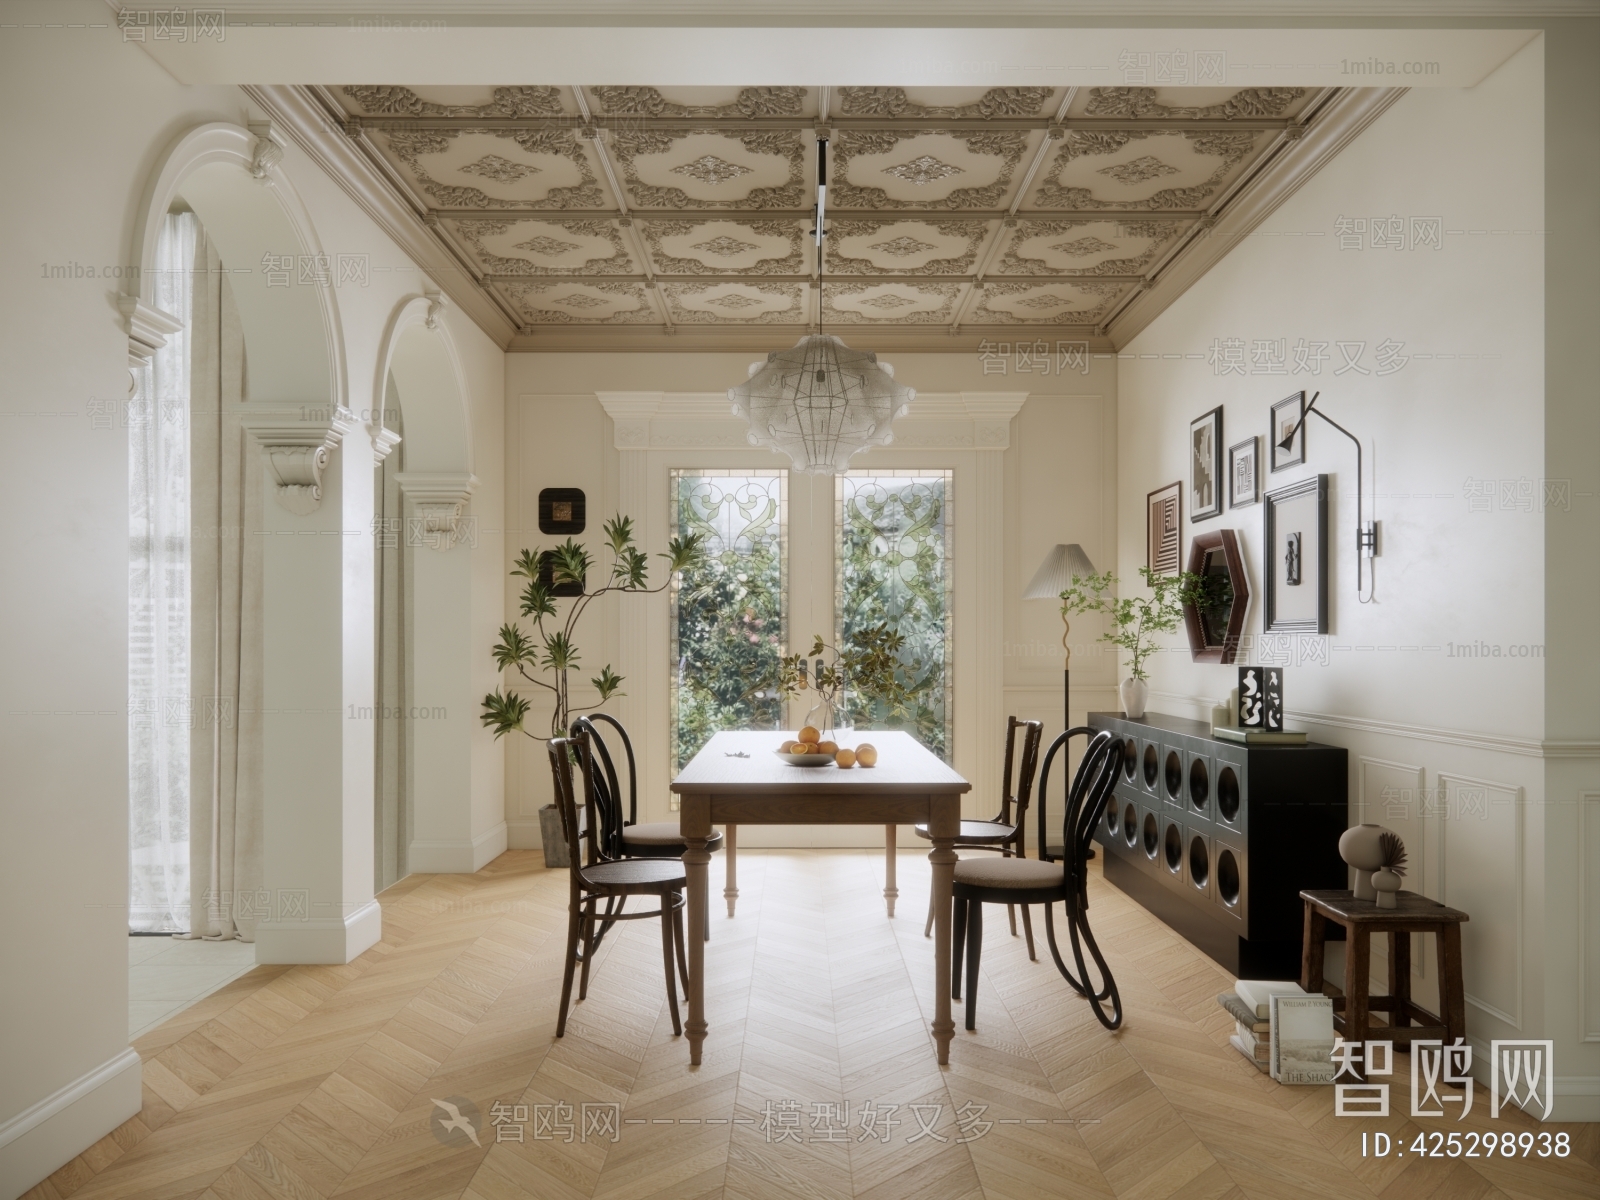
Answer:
(1300, 154)
(297, 114)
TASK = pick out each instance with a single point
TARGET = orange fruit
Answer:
(810, 734)
(788, 747)
(845, 758)
(800, 748)
(867, 754)
(827, 747)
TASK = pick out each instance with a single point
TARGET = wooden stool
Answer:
(1361, 919)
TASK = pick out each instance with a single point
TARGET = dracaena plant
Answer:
(546, 658)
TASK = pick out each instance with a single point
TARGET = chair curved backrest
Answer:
(1033, 732)
(1091, 788)
(565, 754)
(607, 785)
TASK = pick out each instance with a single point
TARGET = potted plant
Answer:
(1135, 620)
(546, 659)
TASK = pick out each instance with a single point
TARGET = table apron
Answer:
(864, 808)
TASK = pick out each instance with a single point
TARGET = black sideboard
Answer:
(1218, 838)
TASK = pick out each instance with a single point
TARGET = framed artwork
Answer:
(1289, 414)
(1296, 553)
(1205, 466)
(1261, 699)
(1214, 618)
(1244, 479)
(1163, 527)
(561, 510)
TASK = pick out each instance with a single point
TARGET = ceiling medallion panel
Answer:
(586, 303)
(918, 162)
(1204, 161)
(744, 303)
(540, 247)
(893, 102)
(1045, 304)
(898, 303)
(768, 163)
(502, 170)
(906, 247)
(1141, 103)
(1085, 247)
(749, 102)
(721, 247)
(508, 102)
(438, 161)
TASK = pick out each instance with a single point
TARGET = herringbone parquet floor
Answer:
(298, 1083)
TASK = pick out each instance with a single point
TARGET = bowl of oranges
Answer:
(810, 749)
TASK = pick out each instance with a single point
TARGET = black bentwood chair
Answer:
(1041, 881)
(596, 877)
(1003, 834)
(624, 837)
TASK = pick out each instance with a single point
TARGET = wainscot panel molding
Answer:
(1589, 919)
(1480, 826)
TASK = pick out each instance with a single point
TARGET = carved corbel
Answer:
(148, 329)
(383, 441)
(439, 499)
(267, 154)
(297, 451)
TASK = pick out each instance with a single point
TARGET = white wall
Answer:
(100, 116)
(1428, 728)
(1055, 482)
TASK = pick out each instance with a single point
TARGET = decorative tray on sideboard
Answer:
(1218, 839)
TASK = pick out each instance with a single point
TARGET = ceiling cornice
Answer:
(296, 110)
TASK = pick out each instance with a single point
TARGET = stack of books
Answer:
(1260, 737)
(1250, 1005)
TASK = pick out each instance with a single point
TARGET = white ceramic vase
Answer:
(1359, 847)
(1386, 884)
(1134, 694)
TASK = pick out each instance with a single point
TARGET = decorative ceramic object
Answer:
(1387, 878)
(1361, 847)
(1134, 694)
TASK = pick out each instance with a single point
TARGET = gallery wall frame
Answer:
(1214, 633)
(1244, 473)
(1163, 528)
(1295, 557)
(1205, 466)
(1288, 413)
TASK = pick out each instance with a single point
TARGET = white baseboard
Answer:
(320, 939)
(458, 856)
(522, 833)
(51, 1133)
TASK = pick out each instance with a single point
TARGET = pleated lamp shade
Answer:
(1056, 573)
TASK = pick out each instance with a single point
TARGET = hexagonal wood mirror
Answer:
(1215, 619)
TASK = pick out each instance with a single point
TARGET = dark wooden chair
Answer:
(621, 835)
(1002, 834)
(1041, 881)
(596, 877)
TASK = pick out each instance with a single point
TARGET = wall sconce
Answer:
(1366, 531)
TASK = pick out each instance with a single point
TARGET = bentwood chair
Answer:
(1040, 881)
(1002, 834)
(623, 836)
(595, 877)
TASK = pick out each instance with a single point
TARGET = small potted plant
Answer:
(868, 667)
(1135, 620)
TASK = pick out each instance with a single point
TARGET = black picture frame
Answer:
(1297, 513)
(1250, 491)
(1163, 529)
(1287, 414)
(562, 511)
(1205, 466)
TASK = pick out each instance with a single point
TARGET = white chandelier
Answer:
(820, 402)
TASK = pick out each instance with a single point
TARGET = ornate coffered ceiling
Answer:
(602, 217)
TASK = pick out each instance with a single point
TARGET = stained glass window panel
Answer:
(728, 613)
(893, 557)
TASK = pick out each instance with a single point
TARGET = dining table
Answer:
(738, 778)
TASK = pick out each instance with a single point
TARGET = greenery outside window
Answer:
(727, 619)
(893, 567)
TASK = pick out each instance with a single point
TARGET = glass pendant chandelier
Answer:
(820, 402)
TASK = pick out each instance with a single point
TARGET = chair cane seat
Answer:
(976, 833)
(1019, 873)
(634, 872)
(661, 833)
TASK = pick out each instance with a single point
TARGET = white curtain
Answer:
(159, 699)
(225, 844)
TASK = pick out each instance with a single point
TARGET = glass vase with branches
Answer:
(547, 657)
(867, 666)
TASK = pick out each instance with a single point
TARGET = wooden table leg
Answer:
(730, 890)
(1313, 950)
(1357, 980)
(1400, 977)
(890, 892)
(943, 858)
(1452, 1002)
(695, 822)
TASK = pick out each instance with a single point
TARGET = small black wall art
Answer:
(561, 511)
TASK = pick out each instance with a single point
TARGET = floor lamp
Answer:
(1054, 576)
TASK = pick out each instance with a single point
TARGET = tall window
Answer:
(159, 698)
(728, 613)
(894, 567)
